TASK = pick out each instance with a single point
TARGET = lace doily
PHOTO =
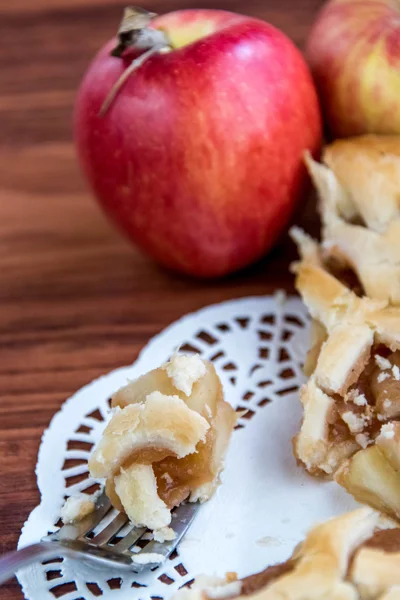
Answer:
(265, 503)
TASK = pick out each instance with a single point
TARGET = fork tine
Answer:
(108, 532)
(130, 539)
(79, 529)
(103, 505)
(72, 536)
(183, 517)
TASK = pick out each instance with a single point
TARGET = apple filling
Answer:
(353, 419)
(166, 441)
(373, 400)
(351, 401)
(356, 555)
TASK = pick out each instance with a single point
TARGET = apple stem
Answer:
(117, 86)
(134, 32)
(134, 20)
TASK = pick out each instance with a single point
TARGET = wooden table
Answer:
(76, 299)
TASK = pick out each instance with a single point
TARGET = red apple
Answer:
(354, 53)
(199, 157)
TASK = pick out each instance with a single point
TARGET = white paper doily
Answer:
(265, 503)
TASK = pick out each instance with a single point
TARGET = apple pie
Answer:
(166, 441)
(358, 186)
(353, 557)
(350, 429)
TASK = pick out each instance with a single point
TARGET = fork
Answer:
(91, 539)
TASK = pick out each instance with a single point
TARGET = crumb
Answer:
(77, 508)
(387, 431)
(184, 370)
(383, 363)
(168, 478)
(207, 581)
(387, 403)
(143, 558)
(224, 591)
(269, 541)
(362, 440)
(165, 534)
(355, 423)
(360, 400)
(396, 372)
(382, 376)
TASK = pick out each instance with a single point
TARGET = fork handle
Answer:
(13, 561)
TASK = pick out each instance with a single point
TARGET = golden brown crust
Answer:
(358, 186)
(348, 399)
(343, 357)
(368, 169)
(161, 423)
(333, 563)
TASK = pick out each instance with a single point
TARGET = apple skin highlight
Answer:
(199, 158)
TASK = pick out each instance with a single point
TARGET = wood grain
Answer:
(75, 299)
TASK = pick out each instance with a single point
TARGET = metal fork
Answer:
(92, 537)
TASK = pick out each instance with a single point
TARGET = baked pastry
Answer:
(358, 185)
(352, 557)
(77, 507)
(352, 398)
(166, 441)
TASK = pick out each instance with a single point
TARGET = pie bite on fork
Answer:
(351, 401)
(166, 441)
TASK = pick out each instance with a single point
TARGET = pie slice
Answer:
(166, 441)
(353, 557)
(358, 185)
(351, 401)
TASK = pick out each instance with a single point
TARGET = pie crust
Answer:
(351, 401)
(166, 441)
(358, 186)
(354, 556)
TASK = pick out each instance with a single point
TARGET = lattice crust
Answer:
(358, 186)
(257, 347)
(352, 398)
(353, 557)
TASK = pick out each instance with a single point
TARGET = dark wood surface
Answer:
(75, 299)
